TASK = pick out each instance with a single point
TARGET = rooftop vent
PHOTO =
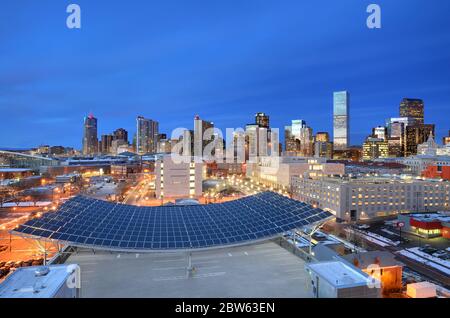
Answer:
(42, 271)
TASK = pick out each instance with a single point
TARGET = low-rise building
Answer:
(427, 224)
(417, 164)
(56, 281)
(437, 172)
(380, 265)
(337, 279)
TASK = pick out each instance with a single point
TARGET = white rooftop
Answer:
(438, 216)
(339, 274)
(24, 283)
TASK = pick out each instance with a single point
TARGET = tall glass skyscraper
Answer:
(90, 139)
(147, 135)
(341, 120)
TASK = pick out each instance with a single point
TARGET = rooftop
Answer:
(430, 217)
(339, 274)
(24, 283)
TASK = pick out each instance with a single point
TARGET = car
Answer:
(363, 227)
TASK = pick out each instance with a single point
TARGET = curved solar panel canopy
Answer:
(87, 222)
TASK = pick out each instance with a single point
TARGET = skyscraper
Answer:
(323, 148)
(147, 135)
(106, 144)
(322, 137)
(90, 139)
(341, 121)
(413, 108)
(262, 120)
(380, 132)
(121, 134)
(416, 135)
(299, 138)
(200, 127)
(374, 148)
(256, 140)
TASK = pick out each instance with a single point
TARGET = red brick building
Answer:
(437, 172)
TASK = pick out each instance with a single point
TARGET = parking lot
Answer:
(263, 270)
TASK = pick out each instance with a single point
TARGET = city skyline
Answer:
(225, 71)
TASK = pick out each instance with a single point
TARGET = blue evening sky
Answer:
(221, 59)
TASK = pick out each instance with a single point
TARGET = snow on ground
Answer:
(424, 261)
(369, 238)
(389, 232)
(417, 251)
(383, 239)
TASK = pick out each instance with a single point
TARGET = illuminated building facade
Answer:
(413, 108)
(374, 148)
(415, 135)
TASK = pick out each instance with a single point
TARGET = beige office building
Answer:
(178, 180)
(366, 198)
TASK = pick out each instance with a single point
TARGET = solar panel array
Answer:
(93, 223)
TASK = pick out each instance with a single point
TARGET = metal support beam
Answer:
(190, 269)
(314, 229)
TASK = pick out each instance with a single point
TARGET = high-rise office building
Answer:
(90, 139)
(380, 132)
(147, 135)
(106, 144)
(121, 134)
(395, 147)
(322, 137)
(256, 141)
(323, 148)
(374, 148)
(291, 136)
(262, 120)
(416, 135)
(341, 121)
(200, 139)
(299, 138)
(187, 139)
(413, 108)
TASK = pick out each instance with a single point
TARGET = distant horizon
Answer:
(220, 60)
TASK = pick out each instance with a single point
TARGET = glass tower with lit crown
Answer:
(341, 120)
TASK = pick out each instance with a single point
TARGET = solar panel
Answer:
(88, 222)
